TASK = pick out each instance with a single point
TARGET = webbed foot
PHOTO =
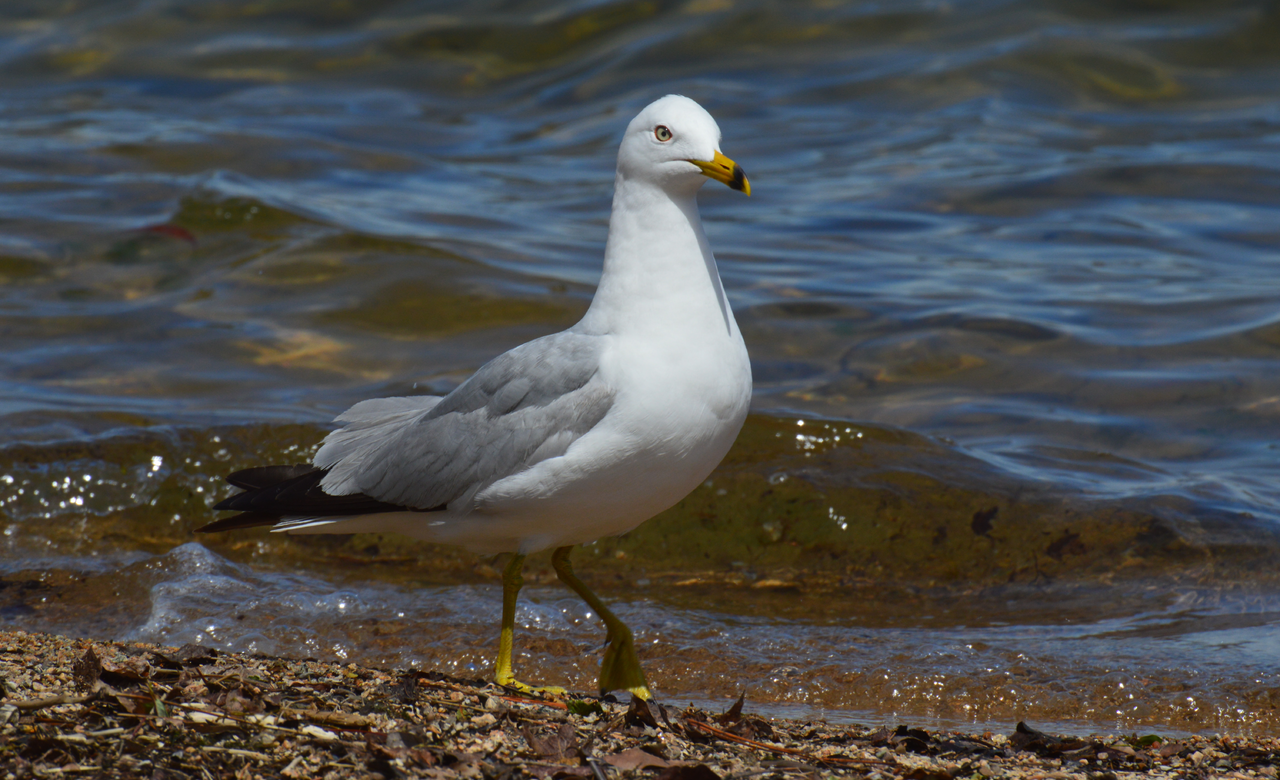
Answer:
(620, 670)
(547, 690)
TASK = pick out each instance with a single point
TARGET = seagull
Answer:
(571, 437)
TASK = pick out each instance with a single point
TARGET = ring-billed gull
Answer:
(572, 437)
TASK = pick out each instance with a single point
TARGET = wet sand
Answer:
(77, 707)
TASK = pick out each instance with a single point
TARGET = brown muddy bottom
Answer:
(859, 572)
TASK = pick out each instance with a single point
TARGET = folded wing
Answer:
(427, 453)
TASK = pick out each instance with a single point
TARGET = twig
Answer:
(729, 736)
(558, 705)
(596, 769)
(225, 716)
(237, 752)
(51, 701)
(342, 720)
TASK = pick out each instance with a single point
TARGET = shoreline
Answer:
(80, 707)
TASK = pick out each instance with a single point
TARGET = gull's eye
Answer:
(662, 133)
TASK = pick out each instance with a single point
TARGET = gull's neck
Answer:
(659, 273)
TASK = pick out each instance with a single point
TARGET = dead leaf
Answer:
(927, 773)
(1026, 738)
(195, 655)
(695, 772)
(559, 746)
(86, 670)
(544, 772)
(735, 712)
(237, 701)
(405, 689)
(1170, 749)
(748, 726)
(464, 758)
(915, 740)
(130, 671)
(635, 758)
(640, 713)
(423, 757)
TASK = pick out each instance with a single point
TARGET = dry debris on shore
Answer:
(81, 708)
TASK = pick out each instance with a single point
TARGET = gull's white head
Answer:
(675, 144)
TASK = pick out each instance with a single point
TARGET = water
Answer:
(1008, 277)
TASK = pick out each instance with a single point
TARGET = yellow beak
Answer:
(725, 171)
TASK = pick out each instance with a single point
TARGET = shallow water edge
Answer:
(846, 568)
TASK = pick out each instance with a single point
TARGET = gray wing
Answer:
(520, 408)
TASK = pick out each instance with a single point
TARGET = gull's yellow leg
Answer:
(621, 667)
(512, 581)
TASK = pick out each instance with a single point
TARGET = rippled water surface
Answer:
(1010, 279)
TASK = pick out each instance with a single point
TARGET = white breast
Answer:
(676, 415)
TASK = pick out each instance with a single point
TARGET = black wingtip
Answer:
(237, 522)
(260, 477)
(274, 492)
